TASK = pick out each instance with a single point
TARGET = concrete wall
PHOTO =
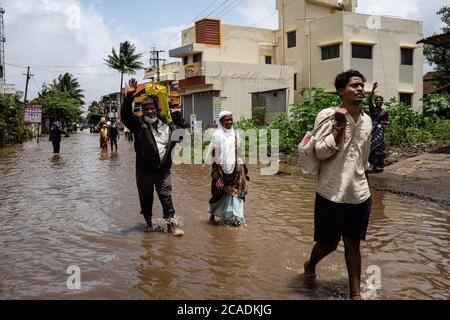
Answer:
(241, 45)
(388, 36)
(323, 32)
(300, 16)
(273, 101)
(237, 81)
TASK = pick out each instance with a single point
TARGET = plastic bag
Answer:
(309, 164)
(160, 92)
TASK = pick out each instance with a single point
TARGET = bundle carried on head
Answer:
(159, 93)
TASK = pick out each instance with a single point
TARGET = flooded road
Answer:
(81, 209)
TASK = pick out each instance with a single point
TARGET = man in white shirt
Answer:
(343, 200)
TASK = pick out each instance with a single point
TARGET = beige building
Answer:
(234, 68)
(223, 65)
(322, 38)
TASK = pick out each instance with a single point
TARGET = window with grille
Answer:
(292, 39)
(361, 51)
(268, 59)
(406, 98)
(407, 57)
(330, 52)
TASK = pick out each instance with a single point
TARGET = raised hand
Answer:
(132, 86)
(375, 87)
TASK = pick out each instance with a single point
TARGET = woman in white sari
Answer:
(229, 173)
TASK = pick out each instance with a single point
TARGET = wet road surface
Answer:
(81, 209)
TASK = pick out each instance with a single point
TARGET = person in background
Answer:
(55, 135)
(380, 120)
(114, 135)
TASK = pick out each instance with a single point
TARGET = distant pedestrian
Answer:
(128, 134)
(114, 135)
(380, 119)
(55, 136)
(104, 137)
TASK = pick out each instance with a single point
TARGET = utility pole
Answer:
(29, 75)
(155, 62)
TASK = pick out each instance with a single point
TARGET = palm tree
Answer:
(127, 62)
(68, 83)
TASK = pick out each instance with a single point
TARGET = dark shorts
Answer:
(335, 220)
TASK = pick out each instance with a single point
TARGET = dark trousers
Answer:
(113, 142)
(56, 146)
(146, 184)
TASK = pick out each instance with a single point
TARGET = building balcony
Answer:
(184, 51)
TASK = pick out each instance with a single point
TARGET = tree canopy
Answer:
(440, 55)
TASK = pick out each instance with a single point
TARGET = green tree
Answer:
(440, 55)
(57, 104)
(67, 83)
(126, 62)
(11, 120)
(95, 108)
(302, 117)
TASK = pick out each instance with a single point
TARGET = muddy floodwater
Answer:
(81, 209)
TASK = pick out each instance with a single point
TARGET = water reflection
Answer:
(81, 208)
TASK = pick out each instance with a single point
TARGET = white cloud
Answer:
(409, 9)
(259, 13)
(49, 34)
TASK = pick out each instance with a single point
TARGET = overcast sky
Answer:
(57, 36)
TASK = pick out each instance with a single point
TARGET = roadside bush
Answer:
(408, 127)
(11, 120)
(437, 105)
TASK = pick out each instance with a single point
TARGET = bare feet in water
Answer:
(171, 228)
(309, 273)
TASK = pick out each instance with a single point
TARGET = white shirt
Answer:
(162, 137)
(342, 170)
(224, 143)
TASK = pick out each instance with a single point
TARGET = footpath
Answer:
(426, 176)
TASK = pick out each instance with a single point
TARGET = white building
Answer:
(232, 68)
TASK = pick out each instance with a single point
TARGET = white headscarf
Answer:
(223, 141)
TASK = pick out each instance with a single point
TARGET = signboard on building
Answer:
(193, 70)
(33, 113)
(217, 108)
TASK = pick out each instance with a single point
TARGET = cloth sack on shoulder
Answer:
(309, 164)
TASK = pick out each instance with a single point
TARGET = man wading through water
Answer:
(153, 145)
(343, 200)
